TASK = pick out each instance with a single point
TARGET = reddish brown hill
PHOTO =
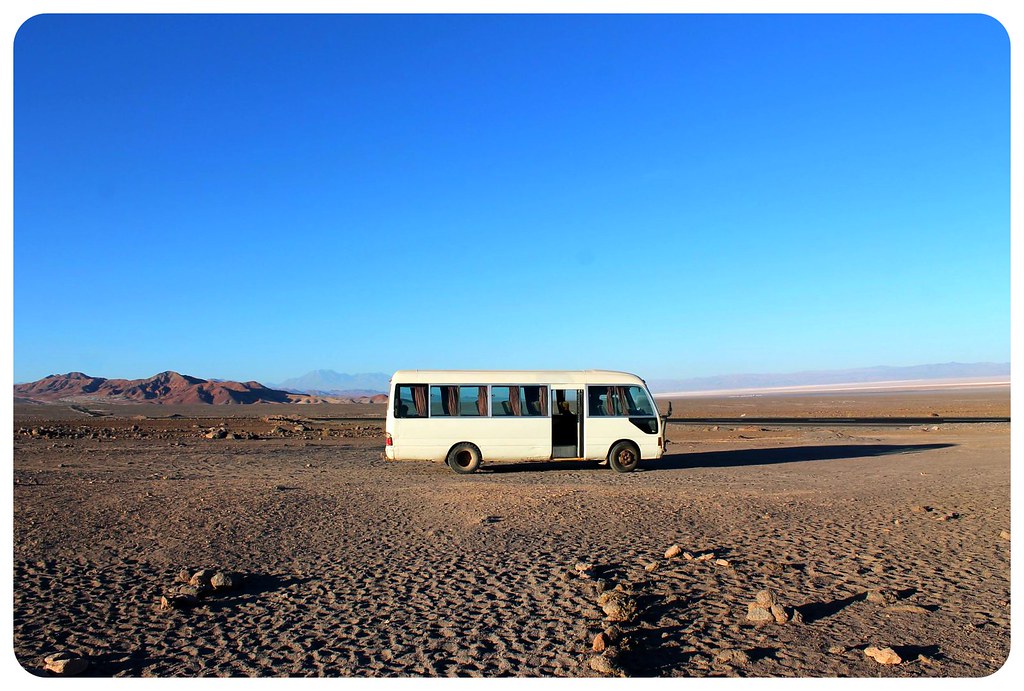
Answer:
(166, 387)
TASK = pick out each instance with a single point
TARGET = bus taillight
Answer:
(387, 440)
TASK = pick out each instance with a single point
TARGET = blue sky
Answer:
(253, 197)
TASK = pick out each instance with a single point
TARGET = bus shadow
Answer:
(788, 454)
(729, 459)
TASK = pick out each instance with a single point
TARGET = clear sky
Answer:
(253, 197)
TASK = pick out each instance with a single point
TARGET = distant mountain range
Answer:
(947, 370)
(164, 388)
(328, 386)
(326, 382)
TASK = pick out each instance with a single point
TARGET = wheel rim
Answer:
(464, 459)
(626, 458)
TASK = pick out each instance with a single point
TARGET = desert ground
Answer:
(868, 537)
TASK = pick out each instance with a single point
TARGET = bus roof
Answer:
(460, 376)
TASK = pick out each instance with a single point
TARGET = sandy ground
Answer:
(357, 566)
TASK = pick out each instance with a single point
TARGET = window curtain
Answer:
(620, 395)
(450, 399)
(481, 401)
(514, 401)
(419, 397)
(542, 392)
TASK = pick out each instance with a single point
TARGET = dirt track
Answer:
(361, 567)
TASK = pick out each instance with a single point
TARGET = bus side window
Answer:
(408, 403)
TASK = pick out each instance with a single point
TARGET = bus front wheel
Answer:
(464, 458)
(624, 457)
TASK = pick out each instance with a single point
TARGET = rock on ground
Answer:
(759, 613)
(884, 656)
(64, 663)
(603, 664)
(733, 656)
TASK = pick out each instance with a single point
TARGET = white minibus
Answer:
(466, 417)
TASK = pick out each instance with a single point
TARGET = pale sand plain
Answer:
(361, 567)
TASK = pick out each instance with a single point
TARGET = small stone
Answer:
(921, 509)
(223, 580)
(651, 566)
(1005, 534)
(177, 601)
(722, 562)
(837, 649)
(191, 591)
(757, 613)
(65, 664)
(766, 597)
(583, 566)
(602, 664)
(797, 617)
(882, 596)
(884, 656)
(201, 577)
(733, 656)
(673, 551)
(706, 557)
(619, 609)
(780, 614)
(612, 634)
(688, 556)
(600, 642)
(185, 575)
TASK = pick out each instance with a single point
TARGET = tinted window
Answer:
(439, 401)
(631, 401)
(407, 397)
(515, 401)
(448, 401)
(506, 401)
(638, 402)
(473, 400)
(536, 400)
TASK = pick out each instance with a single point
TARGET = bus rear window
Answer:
(411, 400)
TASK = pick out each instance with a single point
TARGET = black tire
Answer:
(464, 458)
(624, 457)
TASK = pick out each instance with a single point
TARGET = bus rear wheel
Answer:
(624, 457)
(464, 458)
